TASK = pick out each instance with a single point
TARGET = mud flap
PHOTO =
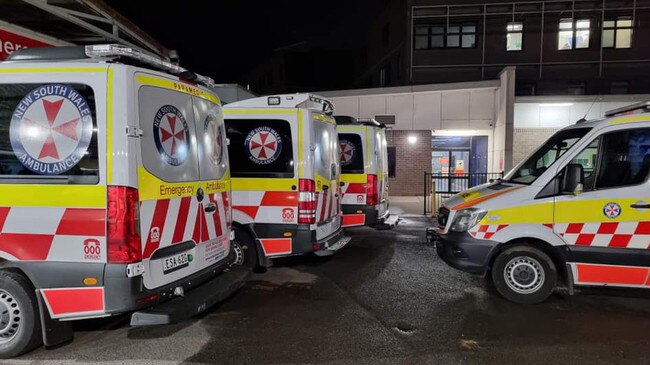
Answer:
(55, 332)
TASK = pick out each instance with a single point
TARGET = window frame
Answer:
(514, 31)
(445, 34)
(616, 28)
(574, 29)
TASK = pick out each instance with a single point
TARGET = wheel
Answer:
(244, 248)
(524, 274)
(20, 325)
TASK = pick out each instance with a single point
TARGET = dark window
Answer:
(429, 36)
(48, 134)
(617, 33)
(246, 157)
(351, 153)
(392, 161)
(384, 76)
(385, 35)
(619, 87)
(577, 88)
(625, 158)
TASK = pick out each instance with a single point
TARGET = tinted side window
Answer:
(260, 148)
(48, 134)
(351, 153)
(625, 158)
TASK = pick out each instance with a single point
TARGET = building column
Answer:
(503, 142)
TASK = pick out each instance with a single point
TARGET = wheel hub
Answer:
(239, 253)
(524, 275)
(10, 317)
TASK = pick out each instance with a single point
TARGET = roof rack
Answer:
(107, 52)
(347, 120)
(643, 106)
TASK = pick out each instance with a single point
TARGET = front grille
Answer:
(443, 216)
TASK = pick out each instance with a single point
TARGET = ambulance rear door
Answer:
(352, 141)
(381, 157)
(177, 212)
(326, 175)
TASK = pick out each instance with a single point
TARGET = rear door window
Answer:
(213, 156)
(48, 134)
(326, 150)
(260, 148)
(351, 153)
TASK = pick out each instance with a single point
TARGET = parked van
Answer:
(364, 172)
(576, 211)
(285, 177)
(111, 198)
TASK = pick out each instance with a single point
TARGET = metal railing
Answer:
(441, 187)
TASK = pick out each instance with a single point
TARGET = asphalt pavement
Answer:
(386, 298)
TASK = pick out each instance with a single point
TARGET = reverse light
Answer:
(465, 219)
(123, 244)
(372, 190)
(306, 201)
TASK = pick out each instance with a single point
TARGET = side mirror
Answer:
(572, 179)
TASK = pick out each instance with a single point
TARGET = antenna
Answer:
(584, 118)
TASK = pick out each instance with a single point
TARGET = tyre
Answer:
(524, 274)
(20, 325)
(244, 248)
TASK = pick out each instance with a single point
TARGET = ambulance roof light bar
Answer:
(299, 100)
(643, 106)
(116, 50)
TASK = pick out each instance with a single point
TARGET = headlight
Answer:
(467, 218)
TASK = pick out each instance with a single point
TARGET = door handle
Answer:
(210, 208)
(640, 206)
(325, 187)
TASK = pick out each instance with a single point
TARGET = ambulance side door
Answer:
(607, 226)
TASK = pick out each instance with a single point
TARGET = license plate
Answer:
(173, 263)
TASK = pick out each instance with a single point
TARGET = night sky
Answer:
(225, 38)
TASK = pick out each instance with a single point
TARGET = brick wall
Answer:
(412, 161)
(526, 140)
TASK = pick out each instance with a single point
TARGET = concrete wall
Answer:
(413, 160)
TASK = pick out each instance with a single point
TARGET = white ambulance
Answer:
(576, 211)
(113, 196)
(285, 177)
(364, 172)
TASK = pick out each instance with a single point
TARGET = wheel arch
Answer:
(262, 260)
(557, 255)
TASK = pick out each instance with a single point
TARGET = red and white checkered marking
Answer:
(486, 231)
(606, 234)
(354, 194)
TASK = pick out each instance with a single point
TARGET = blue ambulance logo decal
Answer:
(172, 135)
(214, 136)
(51, 129)
(347, 152)
(263, 145)
(612, 210)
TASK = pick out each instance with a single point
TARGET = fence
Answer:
(447, 185)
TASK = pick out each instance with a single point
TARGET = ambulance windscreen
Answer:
(48, 134)
(260, 148)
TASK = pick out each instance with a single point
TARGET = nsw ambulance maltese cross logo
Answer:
(263, 145)
(51, 129)
(612, 210)
(347, 152)
(171, 134)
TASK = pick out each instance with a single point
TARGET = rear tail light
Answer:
(371, 190)
(123, 226)
(306, 201)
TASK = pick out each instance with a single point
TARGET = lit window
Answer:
(617, 33)
(442, 36)
(514, 37)
(573, 34)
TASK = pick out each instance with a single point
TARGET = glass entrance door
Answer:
(452, 168)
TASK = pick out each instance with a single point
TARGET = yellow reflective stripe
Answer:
(153, 188)
(259, 184)
(582, 211)
(638, 118)
(109, 126)
(535, 213)
(301, 160)
(368, 157)
(51, 70)
(177, 86)
(56, 196)
(323, 118)
(259, 111)
(354, 178)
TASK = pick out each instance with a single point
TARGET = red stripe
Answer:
(26, 246)
(329, 206)
(216, 217)
(607, 228)
(249, 210)
(611, 274)
(585, 239)
(205, 234)
(83, 222)
(196, 235)
(158, 220)
(643, 228)
(276, 246)
(280, 199)
(483, 228)
(69, 301)
(620, 240)
(322, 207)
(356, 188)
(226, 207)
(4, 212)
(181, 220)
(351, 220)
(574, 228)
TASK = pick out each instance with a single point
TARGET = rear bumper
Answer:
(368, 215)
(463, 252)
(281, 240)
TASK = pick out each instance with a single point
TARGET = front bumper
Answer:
(463, 252)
